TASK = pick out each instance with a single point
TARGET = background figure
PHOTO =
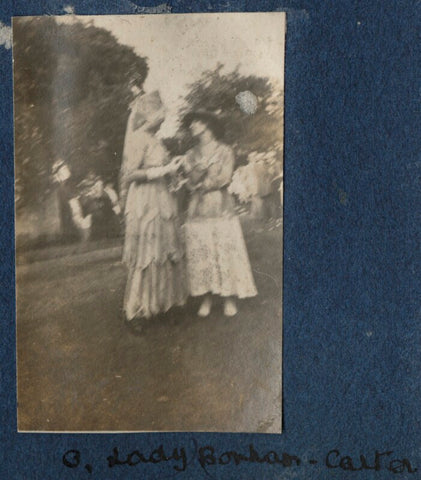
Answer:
(257, 185)
(153, 249)
(217, 259)
(72, 221)
(265, 170)
(276, 194)
(113, 196)
(101, 203)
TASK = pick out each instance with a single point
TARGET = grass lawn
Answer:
(79, 369)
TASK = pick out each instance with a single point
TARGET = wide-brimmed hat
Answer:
(209, 119)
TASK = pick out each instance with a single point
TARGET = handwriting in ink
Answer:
(208, 457)
(72, 460)
(157, 456)
(334, 459)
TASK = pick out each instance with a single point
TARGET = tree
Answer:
(71, 101)
(216, 92)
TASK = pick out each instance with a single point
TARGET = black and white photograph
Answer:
(148, 222)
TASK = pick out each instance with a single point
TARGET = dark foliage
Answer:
(71, 101)
(215, 92)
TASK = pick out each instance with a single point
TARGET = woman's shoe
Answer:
(230, 307)
(205, 308)
(135, 326)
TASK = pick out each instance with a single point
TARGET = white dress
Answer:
(216, 253)
(153, 247)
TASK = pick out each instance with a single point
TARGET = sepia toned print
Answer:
(149, 192)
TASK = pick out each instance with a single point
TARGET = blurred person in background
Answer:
(276, 195)
(113, 196)
(101, 203)
(73, 223)
(265, 170)
(268, 171)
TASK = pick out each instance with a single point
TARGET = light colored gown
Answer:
(153, 247)
(217, 258)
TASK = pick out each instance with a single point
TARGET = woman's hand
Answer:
(175, 164)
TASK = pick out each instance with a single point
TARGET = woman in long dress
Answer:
(217, 258)
(153, 248)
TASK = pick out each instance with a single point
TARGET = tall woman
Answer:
(153, 247)
(217, 259)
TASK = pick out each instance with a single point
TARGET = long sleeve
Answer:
(220, 172)
(135, 146)
(123, 183)
(153, 173)
(112, 195)
(77, 215)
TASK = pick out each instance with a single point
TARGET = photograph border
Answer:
(279, 299)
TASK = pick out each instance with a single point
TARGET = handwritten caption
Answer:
(209, 457)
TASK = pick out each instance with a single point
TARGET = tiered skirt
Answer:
(153, 252)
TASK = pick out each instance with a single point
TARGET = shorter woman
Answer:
(153, 247)
(217, 259)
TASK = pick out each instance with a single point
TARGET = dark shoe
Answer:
(135, 326)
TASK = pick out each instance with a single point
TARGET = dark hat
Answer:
(209, 119)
